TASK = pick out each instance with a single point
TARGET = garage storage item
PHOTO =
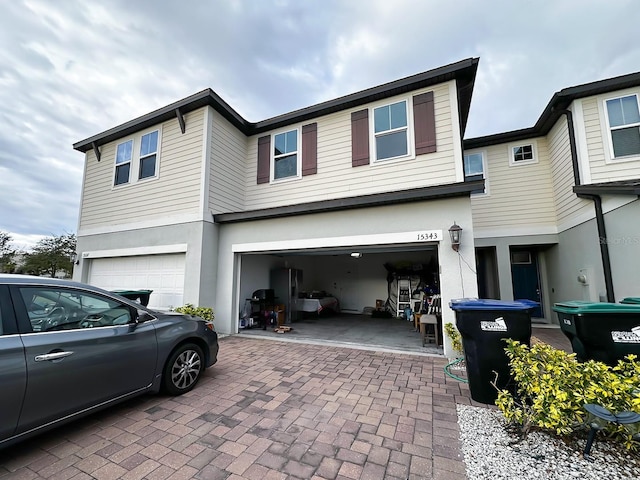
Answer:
(404, 296)
(605, 332)
(483, 324)
(287, 284)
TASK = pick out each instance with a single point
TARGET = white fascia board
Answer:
(455, 126)
(424, 236)
(581, 140)
(134, 252)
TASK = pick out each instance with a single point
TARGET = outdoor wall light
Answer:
(455, 232)
(356, 254)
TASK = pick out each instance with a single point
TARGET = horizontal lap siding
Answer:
(598, 140)
(175, 191)
(336, 178)
(519, 196)
(568, 206)
(227, 174)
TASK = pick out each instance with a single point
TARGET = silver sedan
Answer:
(68, 349)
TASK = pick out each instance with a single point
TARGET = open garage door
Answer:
(164, 274)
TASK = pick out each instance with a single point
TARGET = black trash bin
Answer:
(483, 324)
(141, 296)
(606, 332)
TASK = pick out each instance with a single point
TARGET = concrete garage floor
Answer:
(382, 334)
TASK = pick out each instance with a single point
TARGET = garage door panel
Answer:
(164, 274)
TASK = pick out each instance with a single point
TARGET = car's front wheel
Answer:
(183, 369)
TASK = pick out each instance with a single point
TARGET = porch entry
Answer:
(525, 275)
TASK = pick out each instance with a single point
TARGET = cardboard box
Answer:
(379, 304)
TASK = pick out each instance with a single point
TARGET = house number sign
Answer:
(429, 236)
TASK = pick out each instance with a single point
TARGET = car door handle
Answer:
(52, 356)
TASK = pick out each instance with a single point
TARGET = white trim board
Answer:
(133, 252)
(424, 236)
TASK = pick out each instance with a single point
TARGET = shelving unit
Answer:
(404, 295)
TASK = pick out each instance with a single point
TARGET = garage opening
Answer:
(358, 296)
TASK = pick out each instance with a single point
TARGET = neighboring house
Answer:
(198, 204)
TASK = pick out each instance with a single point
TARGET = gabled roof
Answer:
(558, 103)
(464, 72)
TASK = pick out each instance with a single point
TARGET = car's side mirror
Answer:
(144, 316)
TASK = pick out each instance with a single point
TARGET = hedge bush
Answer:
(552, 388)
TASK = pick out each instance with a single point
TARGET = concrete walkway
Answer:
(270, 410)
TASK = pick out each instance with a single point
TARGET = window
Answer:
(139, 154)
(285, 155)
(390, 131)
(54, 309)
(522, 154)
(624, 125)
(474, 168)
(123, 162)
(148, 150)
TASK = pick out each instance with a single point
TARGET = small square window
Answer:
(522, 153)
(474, 169)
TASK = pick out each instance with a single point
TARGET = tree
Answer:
(50, 255)
(6, 253)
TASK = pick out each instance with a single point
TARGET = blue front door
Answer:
(526, 278)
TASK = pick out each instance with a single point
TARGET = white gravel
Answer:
(491, 452)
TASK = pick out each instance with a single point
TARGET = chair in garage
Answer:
(431, 322)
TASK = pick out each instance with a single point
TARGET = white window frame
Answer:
(534, 151)
(122, 164)
(409, 129)
(142, 157)
(134, 162)
(483, 155)
(605, 113)
(272, 156)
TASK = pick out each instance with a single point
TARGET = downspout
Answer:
(597, 203)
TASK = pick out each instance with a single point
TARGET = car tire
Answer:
(183, 369)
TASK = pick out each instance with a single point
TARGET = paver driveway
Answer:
(269, 410)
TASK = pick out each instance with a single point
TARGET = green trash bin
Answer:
(606, 332)
(631, 300)
(141, 296)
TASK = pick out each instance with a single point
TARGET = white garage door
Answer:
(164, 274)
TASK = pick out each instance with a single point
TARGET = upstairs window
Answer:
(124, 153)
(522, 154)
(390, 131)
(624, 126)
(474, 169)
(285, 155)
(148, 151)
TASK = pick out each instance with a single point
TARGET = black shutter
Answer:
(424, 119)
(360, 138)
(264, 155)
(309, 149)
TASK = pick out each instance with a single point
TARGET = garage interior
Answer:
(365, 283)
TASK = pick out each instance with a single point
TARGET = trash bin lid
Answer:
(490, 304)
(578, 307)
(632, 300)
(131, 292)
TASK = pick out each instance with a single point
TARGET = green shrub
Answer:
(202, 312)
(454, 335)
(552, 388)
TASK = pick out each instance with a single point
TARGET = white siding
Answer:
(227, 157)
(520, 196)
(603, 169)
(175, 191)
(569, 208)
(336, 178)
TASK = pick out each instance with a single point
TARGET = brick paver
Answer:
(268, 410)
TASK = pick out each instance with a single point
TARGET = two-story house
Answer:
(200, 205)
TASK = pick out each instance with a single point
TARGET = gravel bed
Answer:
(492, 452)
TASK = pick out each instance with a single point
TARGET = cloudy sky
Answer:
(71, 69)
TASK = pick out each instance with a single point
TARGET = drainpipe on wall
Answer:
(597, 203)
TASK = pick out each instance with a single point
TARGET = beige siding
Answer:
(228, 172)
(336, 178)
(603, 169)
(175, 191)
(519, 196)
(568, 206)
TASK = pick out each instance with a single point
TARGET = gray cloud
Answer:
(70, 69)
